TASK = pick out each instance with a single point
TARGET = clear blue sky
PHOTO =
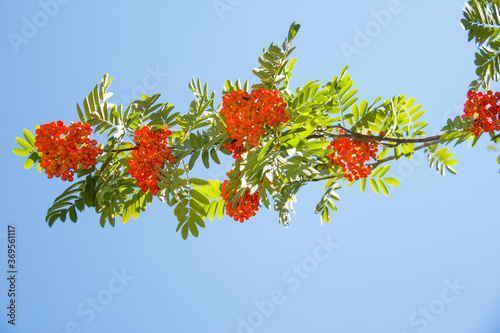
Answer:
(423, 260)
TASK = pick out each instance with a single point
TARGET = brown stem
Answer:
(371, 138)
(124, 149)
(387, 159)
(428, 144)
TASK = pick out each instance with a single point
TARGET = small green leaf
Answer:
(391, 181)
(325, 214)
(24, 144)
(31, 160)
(21, 151)
(193, 228)
(213, 154)
(204, 158)
(362, 184)
(31, 139)
(72, 213)
(199, 196)
(197, 207)
(220, 209)
(383, 171)
(197, 219)
(193, 158)
(185, 231)
(212, 210)
(373, 183)
(450, 169)
(382, 186)
(198, 182)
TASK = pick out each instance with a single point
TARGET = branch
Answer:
(428, 144)
(371, 138)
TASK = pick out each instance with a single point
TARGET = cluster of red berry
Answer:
(65, 148)
(484, 110)
(245, 208)
(351, 155)
(150, 156)
(246, 114)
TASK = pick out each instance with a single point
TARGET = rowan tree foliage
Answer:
(280, 139)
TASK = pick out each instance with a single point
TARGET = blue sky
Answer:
(423, 260)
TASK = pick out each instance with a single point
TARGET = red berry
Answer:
(351, 155)
(151, 154)
(247, 114)
(243, 209)
(62, 148)
(484, 110)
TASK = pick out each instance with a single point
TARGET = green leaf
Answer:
(325, 215)
(220, 209)
(31, 160)
(362, 184)
(212, 210)
(31, 139)
(373, 183)
(21, 151)
(72, 214)
(193, 229)
(198, 182)
(382, 186)
(127, 212)
(383, 171)
(197, 207)
(24, 144)
(185, 231)
(199, 196)
(213, 154)
(197, 219)
(391, 181)
(276, 50)
(450, 169)
(193, 158)
(204, 158)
